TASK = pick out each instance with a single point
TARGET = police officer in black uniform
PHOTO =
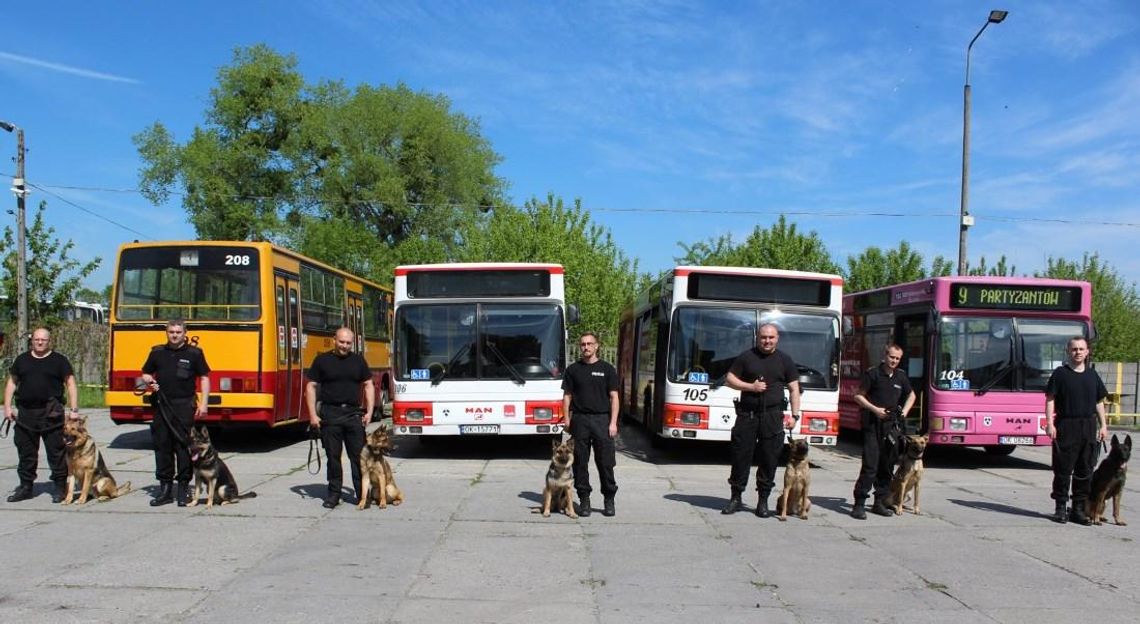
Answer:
(343, 378)
(36, 379)
(1074, 411)
(761, 374)
(590, 404)
(171, 372)
(880, 394)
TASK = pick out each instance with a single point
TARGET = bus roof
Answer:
(975, 279)
(478, 266)
(688, 269)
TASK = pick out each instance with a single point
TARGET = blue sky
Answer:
(672, 121)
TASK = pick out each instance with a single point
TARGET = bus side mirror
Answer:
(572, 316)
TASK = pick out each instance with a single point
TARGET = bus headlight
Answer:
(543, 413)
(414, 414)
(690, 418)
(958, 424)
(225, 384)
(817, 424)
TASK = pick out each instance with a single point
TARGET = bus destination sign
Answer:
(1015, 297)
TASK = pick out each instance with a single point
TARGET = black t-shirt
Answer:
(339, 377)
(176, 370)
(39, 379)
(775, 369)
(885, 390)
(1075, 395)
(589, 386)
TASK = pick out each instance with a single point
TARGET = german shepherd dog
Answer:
(211, 473)
(797, 480)
(377, 483)
(85, 464)
(908, 475)
(1108, 481)
(558, 493)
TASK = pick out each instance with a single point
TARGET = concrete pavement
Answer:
(468, 545)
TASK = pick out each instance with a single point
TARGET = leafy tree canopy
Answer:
(1116, 305)
(780, 247)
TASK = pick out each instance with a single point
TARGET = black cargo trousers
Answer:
(591, 431)
(342, 430)
(759, 435)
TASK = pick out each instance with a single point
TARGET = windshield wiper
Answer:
(452, 362)
(1005, 370)
(718, 382)
(515, 374)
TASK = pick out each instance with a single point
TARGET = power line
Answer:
(798, 213)
(90, 212)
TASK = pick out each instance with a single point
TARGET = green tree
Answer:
(600, 279)
(53, 275)
(1116, 305)
(780, 247)
(874, 268)
(305, 165)
(941, 266)
(1002, 269)
(90, 296)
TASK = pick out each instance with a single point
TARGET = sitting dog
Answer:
(85, 464)
(376, 472)
(1108, 481)
(559, 490)
(797, 480)
(211, 473)
(908, 475)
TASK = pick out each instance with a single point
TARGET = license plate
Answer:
(1016, 440)
(484, 429)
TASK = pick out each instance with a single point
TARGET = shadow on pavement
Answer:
(132, 440)
(311, 490)
(699, 500)
(472, 447)
(240, 440)
(1000, 508)
(832, 503)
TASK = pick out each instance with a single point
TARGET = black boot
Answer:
(1077, 514)
(22, 492)
(859, 511)
(165, 494)
(608, 507)
(762, 510)
(331, 500)
(880, 508)
(584, 506)
(183, 493)
(1061, 514)
(60, 492)
(733, 505)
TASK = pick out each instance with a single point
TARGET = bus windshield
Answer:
(708, 340)
(980, 354)
(206, 283)
(516, 341)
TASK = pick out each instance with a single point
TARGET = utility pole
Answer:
(21, 191)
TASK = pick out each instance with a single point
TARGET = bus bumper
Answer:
(476, 429)
(224, 408)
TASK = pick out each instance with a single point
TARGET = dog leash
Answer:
(314, 449)
(161, 405)
(5, 428)
(795, 419)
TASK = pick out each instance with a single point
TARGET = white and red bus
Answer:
(978, 352)
(479, 349)
(678, 340)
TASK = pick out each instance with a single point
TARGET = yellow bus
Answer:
(259, 312)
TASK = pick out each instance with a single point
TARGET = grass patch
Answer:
(92, 396)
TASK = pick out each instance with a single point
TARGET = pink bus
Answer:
(978, 351)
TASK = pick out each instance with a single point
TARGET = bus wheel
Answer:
(1000, 449)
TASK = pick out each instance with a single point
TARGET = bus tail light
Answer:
(408, 413)
(694, 416)
(125, 382)
(958, 424)
(1042, 423)
(542, 412)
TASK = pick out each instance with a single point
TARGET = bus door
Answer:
(644, 333)
(356, 321)
(910, 334)
(288, 395)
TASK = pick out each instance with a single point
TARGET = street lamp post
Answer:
(19, 188)
(966, 220)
